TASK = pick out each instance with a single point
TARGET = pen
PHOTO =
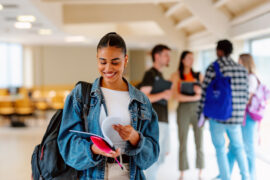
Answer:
(119, 163)
(113, 148)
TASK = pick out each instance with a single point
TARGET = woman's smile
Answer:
(109, 74)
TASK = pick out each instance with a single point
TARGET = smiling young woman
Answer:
(111, 96)
(111, 65)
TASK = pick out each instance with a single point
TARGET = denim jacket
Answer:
(76, 151)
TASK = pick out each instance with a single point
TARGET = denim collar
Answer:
(134, 94)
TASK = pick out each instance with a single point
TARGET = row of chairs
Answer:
(26, 101)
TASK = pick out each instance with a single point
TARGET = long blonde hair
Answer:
(248, 62)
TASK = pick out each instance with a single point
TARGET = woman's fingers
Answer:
(118, 152)
(116, 127)
(96, 150)
(115, 154)
(121, 131)
(112, 154)
(124, 131)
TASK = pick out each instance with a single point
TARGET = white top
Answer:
(117, 103)
(253, 83)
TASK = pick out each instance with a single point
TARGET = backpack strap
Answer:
(86, 89)
(217, 70)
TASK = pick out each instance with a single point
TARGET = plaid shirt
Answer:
(239, 85)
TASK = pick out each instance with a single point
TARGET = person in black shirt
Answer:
(161, 58)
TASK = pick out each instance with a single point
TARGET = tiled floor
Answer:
(16, 146)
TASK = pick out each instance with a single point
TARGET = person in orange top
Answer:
(187, 110)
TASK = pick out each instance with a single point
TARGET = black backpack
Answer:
(47, 162)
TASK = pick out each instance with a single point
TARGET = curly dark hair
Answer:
(225, 46)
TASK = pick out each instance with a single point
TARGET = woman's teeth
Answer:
(109, 75)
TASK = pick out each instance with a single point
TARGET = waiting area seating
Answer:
(28, 101)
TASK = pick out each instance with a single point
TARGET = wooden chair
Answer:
(24, 108)
(6, 108)
(57, 102)
(40, 101)
(4, 92)
(6, 112)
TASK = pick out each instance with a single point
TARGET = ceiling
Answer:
(142, 23)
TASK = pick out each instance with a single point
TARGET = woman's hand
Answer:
(127, 133)
(197, 89)
(112, 154)
(197, 97)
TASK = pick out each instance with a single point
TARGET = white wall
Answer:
(141, 61)
(64, 65)
(238, 48)
(28, 69)
(174, 63)
(137, 60)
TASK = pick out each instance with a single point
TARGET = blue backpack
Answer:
(218, 100)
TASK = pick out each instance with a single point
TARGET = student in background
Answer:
(111, 95)
(250, 125)
(161, 58)
(187, 111)
(232, 126)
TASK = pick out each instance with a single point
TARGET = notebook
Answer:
(187, 88)
(101, 142)
(161, 85)
(104, 143)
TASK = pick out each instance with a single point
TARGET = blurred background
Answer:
(46, 46)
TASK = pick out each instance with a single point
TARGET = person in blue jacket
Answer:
(136, 143)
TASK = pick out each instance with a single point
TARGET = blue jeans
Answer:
(248, 132)
(236, 141)
(164, 143)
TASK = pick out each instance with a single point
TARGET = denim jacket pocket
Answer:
(144, 114)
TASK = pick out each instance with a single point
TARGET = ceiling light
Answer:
(1, 7)
(45, 32)
(75, 39)
(26, 18)
(23, 25)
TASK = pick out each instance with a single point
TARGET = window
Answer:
(261, 55)
(206, 57)
(259, 49)
(11, 65)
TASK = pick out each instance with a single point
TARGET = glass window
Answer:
(206, 57)
(261, 54)
(3, 65)
(11, 65)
